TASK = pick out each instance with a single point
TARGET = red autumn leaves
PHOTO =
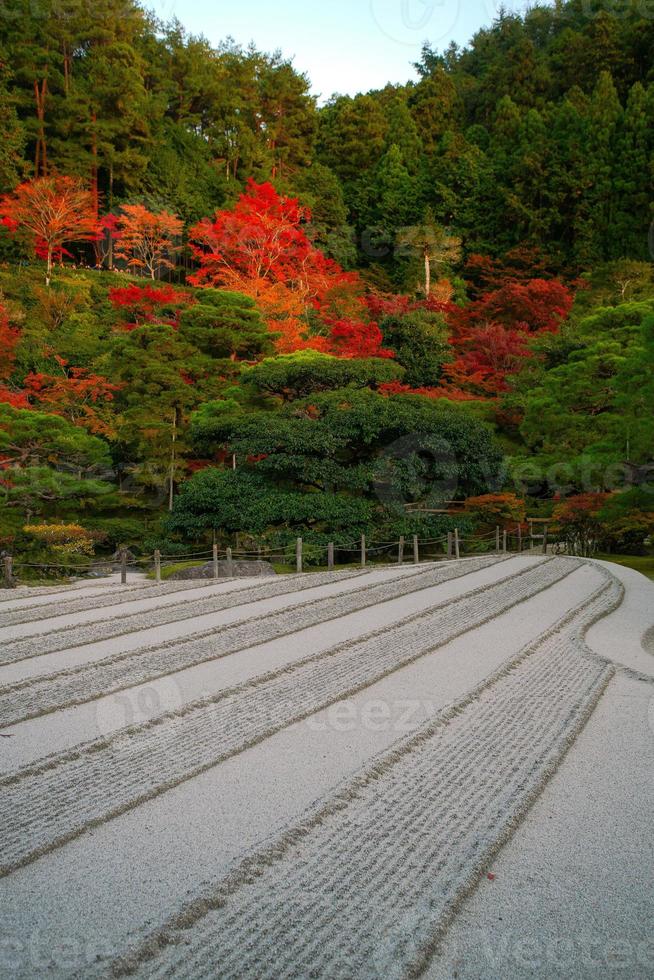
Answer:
(149, 304)
(261, 248)
(491, 336)
(50, 212)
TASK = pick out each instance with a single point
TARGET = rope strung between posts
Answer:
(287, 553)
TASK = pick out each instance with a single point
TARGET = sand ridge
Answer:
(410, 843)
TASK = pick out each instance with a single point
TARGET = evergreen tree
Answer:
(396, 192)
(287, 116)
(433, 245)
(226, 326)
(351, 135)
(633, 183)
(12, 164)
(403, 133)
(433, 104)
(595, 216)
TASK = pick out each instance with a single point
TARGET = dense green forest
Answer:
(227, 310)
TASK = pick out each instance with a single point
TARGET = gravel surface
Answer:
(180, 608)
(571, 894)
(14, 596)
(45, 805)
(36, 696)
(30, 612)
(364, 886)
(327, 809)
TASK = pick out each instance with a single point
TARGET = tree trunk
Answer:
(67, 66)
(40, 153)
(171, 483)
(94, 166)
(48, 270)
(427, 275)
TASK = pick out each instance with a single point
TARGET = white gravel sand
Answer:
(369, 746)
(572, 893)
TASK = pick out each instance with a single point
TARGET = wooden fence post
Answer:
(545, 530)
(298, 555)
(519, 539)
(8, 563)
(363, 551)
(157, 565)
(416, 551)
(330, 556)
(230, 563)
(504, 542)
(214, 554)
(449, 544)
(123, 566)
(457, 550)
(400, 550)
(497, 539)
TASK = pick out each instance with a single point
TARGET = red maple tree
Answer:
(261, 248)
(17, 399)
(451, 393)
(491, 336)
(9, 337)
(149, 304)
(108, 235)
(382, 305)
(50, 212)
(147, 240)
(356, 338)
(75, 393)
(484, 274)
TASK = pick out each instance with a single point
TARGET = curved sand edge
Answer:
(571, 891)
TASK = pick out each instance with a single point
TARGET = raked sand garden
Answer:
(442, 770)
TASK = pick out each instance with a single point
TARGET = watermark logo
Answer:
(399, 716)
(416, 467)
(408, 22)
(137, 706)
(411, 22)
(37, 954)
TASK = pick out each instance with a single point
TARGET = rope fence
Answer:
(451, 545)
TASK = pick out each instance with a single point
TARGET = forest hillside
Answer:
(228, 313)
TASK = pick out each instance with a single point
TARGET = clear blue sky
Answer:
(345, 46)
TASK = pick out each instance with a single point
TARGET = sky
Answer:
(344, 46)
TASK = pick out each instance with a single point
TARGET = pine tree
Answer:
(351, 135)
(434, 103)
(12, 165)
(288, 116)
(403, 133)
(433, 245)
(396, 192)
(595, 217)
(633, 177)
